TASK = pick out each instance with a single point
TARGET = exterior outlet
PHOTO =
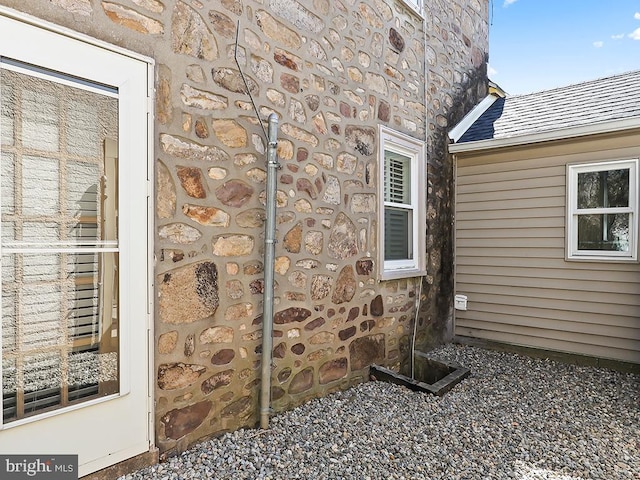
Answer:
(460, 302)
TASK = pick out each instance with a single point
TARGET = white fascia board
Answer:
(456, 132)
(559, 134)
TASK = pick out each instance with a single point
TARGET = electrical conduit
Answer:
(269, 260)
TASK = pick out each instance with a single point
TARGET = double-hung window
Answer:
(602, 213)
(402, 194)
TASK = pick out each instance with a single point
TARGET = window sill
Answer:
(601, 259)
(397, 274)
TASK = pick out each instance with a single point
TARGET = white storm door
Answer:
(74, 330)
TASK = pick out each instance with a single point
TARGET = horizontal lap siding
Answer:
(510, 262)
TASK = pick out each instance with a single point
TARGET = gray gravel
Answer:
(514, 418)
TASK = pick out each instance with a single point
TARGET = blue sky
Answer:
(542, 44)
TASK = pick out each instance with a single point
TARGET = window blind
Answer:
(397, 211)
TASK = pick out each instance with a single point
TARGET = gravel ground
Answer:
(514, 418)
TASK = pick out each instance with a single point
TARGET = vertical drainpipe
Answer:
(269, 260)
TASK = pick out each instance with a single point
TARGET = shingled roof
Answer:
(599, 101)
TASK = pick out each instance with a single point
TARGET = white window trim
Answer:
(572, 252)
(403, 144)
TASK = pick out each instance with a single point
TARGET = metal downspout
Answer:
(269, 259)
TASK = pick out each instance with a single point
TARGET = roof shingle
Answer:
(605, 99)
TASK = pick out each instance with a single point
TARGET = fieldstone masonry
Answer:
(456, 52)
(332, 70)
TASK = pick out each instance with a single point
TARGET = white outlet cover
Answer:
(460, 302)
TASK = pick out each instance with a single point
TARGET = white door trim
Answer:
(54, 441)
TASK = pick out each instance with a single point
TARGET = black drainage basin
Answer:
(432, 376)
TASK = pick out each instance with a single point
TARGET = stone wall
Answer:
(457, 53)
(332, 70)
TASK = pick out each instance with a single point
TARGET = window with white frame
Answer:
(402, 205)
(602, 211)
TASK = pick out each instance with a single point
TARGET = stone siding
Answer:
(457, 55)
(332, 70)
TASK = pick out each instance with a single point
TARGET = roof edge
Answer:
(474, 114)
(559, 134)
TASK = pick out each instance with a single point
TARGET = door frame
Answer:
(50, 27)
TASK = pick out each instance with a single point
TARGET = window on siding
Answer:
(602, 214)
(401, 228)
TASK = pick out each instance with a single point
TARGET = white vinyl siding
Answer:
(511, 263)
(402, 204)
